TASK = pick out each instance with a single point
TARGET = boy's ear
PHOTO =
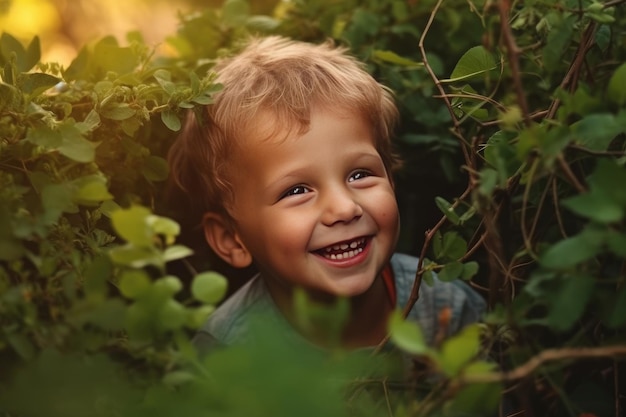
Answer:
(224, 241)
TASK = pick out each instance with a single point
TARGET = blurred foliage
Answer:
(513, 139)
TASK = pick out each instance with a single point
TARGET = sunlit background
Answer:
(64, 26)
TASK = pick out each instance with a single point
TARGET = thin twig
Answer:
(429, 68)
(557, 211)
(597, 153)
(570, 175)
(387, 400)
(542, 201)
(528, 244)
(504, 7)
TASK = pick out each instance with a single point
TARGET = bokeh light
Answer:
(64, 26)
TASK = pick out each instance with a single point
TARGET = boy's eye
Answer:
(357, 175)
(298, 189)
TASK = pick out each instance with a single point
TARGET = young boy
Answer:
(291, 166)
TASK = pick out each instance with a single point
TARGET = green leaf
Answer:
(117, 111)
(164, 78)
(616, 243)
(176, 252)
(572, 251)
(488, 181)
(199, 315)
(78, 65)
(558, 39)
(475, 400)
(459, 350)
(155, 168)
(608, 179)
(108, 315)
(603, 37)
(450, 271)
(45, 137)
(56, 199)
(449, 247)
(200, 99)
(406, 335)
(33, 53)
(91, 122)
(469, 270)
(109, 57)
(74, 145)
(262, 23)
(168, 285)
(563, 312)
(172, 315)
(171, 120)
(447, 209)
(36, 83)
(164, 226)
(8, 46)
(131, 225)
(474, 63)
(595, 205)
(235, 12)
(177, 378)
(136, 256)
(134, 283)
(209, 287)
(97, 275)
(393, 58)
(597, 12)
(597, 131)
(399, 10)
(616, 90)
(92, 190)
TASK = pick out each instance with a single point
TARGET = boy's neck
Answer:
(366, 324)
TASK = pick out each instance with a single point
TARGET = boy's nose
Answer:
(340, 207)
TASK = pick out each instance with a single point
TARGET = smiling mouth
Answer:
(343, 250)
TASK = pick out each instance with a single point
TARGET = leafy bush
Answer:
(513, 136)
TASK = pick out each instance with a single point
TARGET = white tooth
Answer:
(336, 247)
(353, 245)
(344, 246)
(360, 250)
(351, 253)
(333, 256)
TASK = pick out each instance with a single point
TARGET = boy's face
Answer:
(317, 210)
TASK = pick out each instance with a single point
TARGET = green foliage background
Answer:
(513, 128)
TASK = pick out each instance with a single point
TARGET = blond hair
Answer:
(285, 79)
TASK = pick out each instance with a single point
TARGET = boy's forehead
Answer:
(274, 127)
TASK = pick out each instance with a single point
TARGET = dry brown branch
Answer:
(548, 355)
(586, 43)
